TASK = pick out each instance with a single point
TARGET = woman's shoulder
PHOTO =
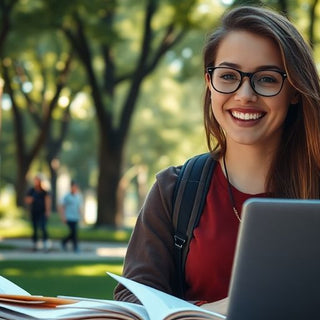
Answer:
(167, 178)
(165, 183)
(169, 174)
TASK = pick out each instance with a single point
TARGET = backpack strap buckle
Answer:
(179, 242)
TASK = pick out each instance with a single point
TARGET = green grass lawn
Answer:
(52, 278)
(74, 278)
(21, 228)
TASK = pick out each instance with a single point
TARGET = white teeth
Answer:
(246, 116)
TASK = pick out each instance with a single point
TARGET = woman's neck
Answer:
(248, 168)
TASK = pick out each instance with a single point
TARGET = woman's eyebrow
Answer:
(237, 66)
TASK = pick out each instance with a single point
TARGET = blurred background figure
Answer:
(39, 201)
(71, 213)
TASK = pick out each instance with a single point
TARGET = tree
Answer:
(5, 13)
(312, 18)
(114, 123)
(6, 8)
(39, 107)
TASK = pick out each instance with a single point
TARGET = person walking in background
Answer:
(71, 213)
(39, 201)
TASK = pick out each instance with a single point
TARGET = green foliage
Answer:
(81, 140)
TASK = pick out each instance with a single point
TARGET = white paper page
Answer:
(78, 310)
(8, 314)
(138, 310)
(8, 287)
(158, 304)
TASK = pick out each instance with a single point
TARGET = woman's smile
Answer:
(246, 116)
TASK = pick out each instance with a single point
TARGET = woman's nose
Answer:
(245, 91)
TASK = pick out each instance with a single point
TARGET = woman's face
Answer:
(246, 117)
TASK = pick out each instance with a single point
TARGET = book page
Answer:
(131, 308)
(220, 306)
(16, 303)
(79, 310)
(8, 287)
(160, 305)
(40, 300)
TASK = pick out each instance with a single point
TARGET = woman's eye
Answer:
(229, 76)
(267, 79)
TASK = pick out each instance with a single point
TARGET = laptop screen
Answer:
(276, 271)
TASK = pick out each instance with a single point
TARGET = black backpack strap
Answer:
(188, 201)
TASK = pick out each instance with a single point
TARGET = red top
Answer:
(210, 257)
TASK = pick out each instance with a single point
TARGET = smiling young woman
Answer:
(250, 106)
(262, 122)
(293, 171)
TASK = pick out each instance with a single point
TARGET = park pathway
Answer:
(21, 249)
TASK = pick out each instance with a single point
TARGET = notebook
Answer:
(276, 271)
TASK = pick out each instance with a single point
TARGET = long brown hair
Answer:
(295, 170)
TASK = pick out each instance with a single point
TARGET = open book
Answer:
(17, 304)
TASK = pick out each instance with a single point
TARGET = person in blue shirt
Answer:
(71, 213)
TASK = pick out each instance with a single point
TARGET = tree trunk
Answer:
(53, 182)
(21, 185)
(110, 164)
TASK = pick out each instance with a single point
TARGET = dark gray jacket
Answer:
(150, 254)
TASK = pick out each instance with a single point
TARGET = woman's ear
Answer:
(208, 81)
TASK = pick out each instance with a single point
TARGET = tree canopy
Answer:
(109, 91)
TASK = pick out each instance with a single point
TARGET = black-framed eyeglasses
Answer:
(265, 83)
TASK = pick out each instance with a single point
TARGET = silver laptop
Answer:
(276, 273)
